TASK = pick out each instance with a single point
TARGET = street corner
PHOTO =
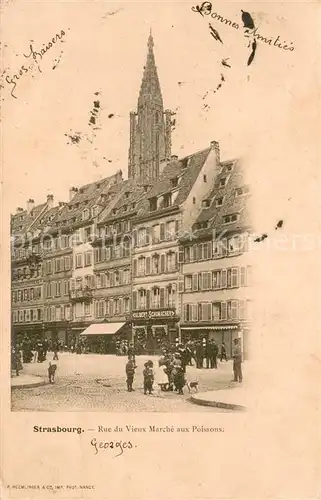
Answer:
(25, 381)
(228, 398)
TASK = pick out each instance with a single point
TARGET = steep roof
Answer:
(126, 206)
(22, 221)
(96, 193)
(186, 170)
(231, 203)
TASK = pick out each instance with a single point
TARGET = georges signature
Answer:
(35, 56)
(103, 445)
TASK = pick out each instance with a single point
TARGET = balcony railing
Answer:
(81, 295)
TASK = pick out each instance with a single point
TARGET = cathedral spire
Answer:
(150, 88)
(150, 126)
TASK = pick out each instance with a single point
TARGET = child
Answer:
(148, 377)
(130, 372)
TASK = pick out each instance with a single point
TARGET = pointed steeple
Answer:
(150, 87)
(150, 125)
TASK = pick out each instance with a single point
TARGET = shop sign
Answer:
(153, 314)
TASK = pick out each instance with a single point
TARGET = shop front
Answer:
(153, 329)
(104, 338)
(220, 333)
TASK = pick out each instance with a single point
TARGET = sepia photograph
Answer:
(133, 291)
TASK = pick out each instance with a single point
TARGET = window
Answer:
(101, 308)
(170, 230)
(58, 289)
(87, 310)
(142, 237)
(219, 201)
(155, 264)
(229, 167)
(187, 312)
(223, 278)
(49, 267)
(58, 313)
(187, 254)
(142, 299)
(152, 204)
(194, 200)
(235, 277)
(171, 296)
(87, 234)
(188, 283)
(171, 264)
(206, 203)
(205, 281)
(232, 309)
(88, 258)
(79, 260)
(205, 178)
(126, 305)
(156, 298)
(195, 282)
(227, 219)
(162, 264)
(155, 233)
(216, 311)
(162, 232)
(167, 200)
(95, 211)
(141, 266)
(85, 214)
(216, 279)
(116, 307)
(242, 191)
(194, 312)
(222, 182)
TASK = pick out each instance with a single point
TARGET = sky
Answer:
(104, 50)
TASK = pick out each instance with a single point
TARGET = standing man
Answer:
(209, 352)
(215, 354)
(237, 361)
(130, 372)
(223, 351)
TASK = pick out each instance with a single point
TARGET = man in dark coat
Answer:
(130, 372)
(209, 354)
(237, 361)
(215, 354)
(223, 351)
(199, 352)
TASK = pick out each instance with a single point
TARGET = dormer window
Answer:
(125, 208)
(242, 191)
(167, 200)
(227, 219)
(174, 181)
(205, 178)
(133, 205)
(206, 203)
(153, 204)
(95, 211)
(85, 214)
(114, 211)
(219, 202)
(222, 182)
(229, 167)
(127, 194)
(81, 190)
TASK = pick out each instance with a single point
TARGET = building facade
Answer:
(216, 271)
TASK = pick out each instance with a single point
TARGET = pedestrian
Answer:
(237, 361)
(148, 374)
(199, 353)
(209, 354)
(132, 351)
(215, 354)
(130, 372)
(55, 348)
(178, 373)
(223, 352)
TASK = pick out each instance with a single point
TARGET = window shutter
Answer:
(223, 278)
(148, 235)
(135, 299)
(186, 311)
(162, 232)
(234, 309)
(62, 264)
(148, 265)
(162, 263)
(135, 267)
(195, 282)
(176, 229)
(181, 255)
(229, 278)
(223, 310)
(162, 297)
(121, 306)
(147, 299)
(209, 249)
(176, 260)
(224, 246)
(242, 276)
(235, 277)
(200, 281)
(134, 235)
(181, 286)
(209, 312)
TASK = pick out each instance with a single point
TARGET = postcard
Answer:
(160, 175)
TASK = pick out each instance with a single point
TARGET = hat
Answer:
(236, 339)
(146, 364)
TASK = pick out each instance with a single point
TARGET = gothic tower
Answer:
(150, 126)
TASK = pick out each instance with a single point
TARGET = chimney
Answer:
(62, 204)
(174, 157)
(30, 205)
(216, 147)
(50, 200)
(72, 191)
(19, 209)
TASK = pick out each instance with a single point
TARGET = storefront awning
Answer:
(102, 329)
(223, 327)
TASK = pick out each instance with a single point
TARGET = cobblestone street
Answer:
(93, 382)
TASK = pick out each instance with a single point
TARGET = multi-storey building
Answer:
(26, 267)
(167, 212)
(216, 271)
